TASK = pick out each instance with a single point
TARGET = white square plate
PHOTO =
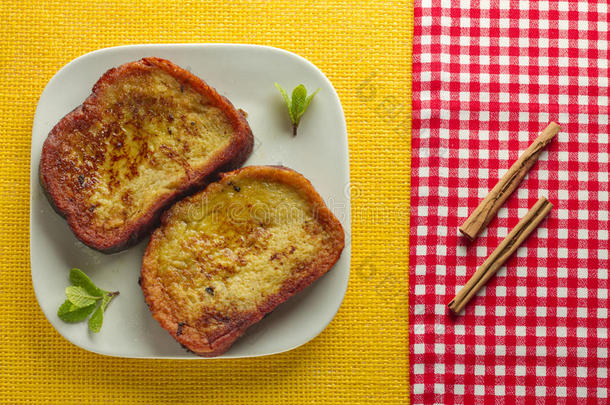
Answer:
(245, 74)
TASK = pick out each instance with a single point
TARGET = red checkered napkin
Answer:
(486, 81)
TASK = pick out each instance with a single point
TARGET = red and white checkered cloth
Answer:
(486, 81)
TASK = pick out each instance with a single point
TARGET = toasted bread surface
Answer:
(149, 133)
(225, 257)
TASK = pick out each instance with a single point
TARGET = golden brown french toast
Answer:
(149, 133)
(225, 257)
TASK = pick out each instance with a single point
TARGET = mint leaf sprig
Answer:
(82, 299)
(297, 104)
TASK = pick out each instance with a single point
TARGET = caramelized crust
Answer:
(225, 257)
(149, 134)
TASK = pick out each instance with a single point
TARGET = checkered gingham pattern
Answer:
(486, 80)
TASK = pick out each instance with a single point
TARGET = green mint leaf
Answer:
(80, 297)
(297, 105)
(83, 297)
(80, 279)
(286, 99)
(299, 94)
(307, 101)
(69, 312)
(96, 320)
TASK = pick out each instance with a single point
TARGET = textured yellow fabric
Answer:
(362, 357)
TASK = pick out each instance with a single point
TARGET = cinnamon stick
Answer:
(499, 256)
(487, 209)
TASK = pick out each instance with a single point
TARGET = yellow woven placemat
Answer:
(362, 357)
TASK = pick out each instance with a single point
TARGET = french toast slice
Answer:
(149, 134)
(226, 256)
